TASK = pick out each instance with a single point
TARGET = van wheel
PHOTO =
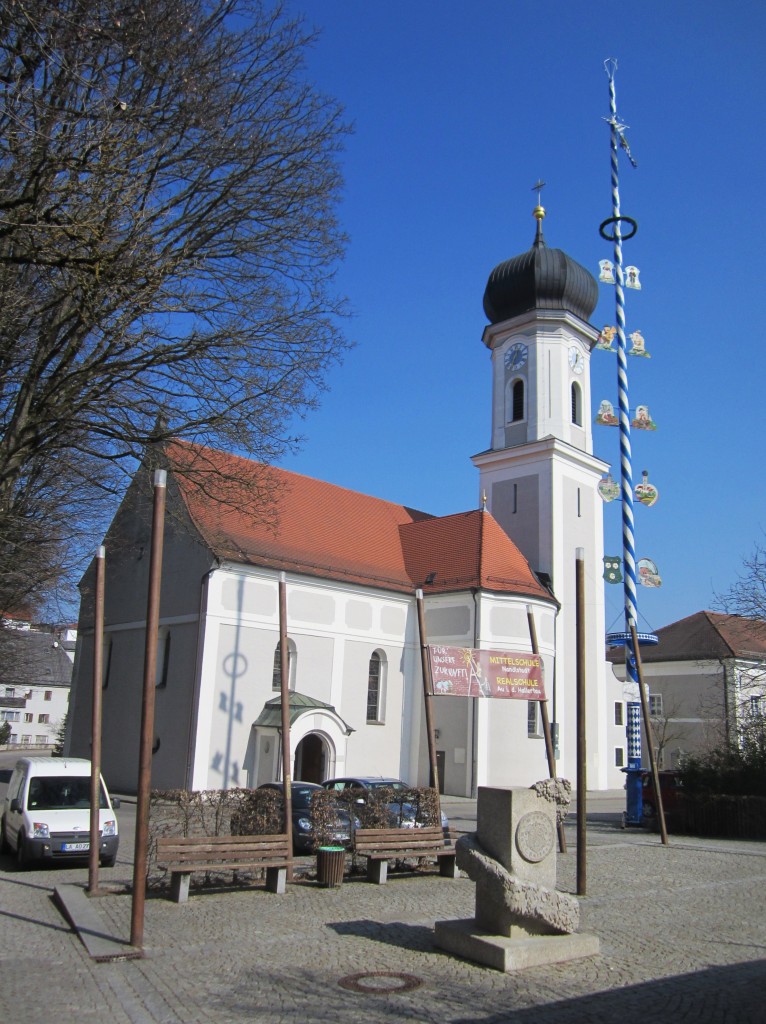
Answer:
(22, 860)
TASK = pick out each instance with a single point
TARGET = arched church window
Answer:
(276, 672)
(576, 404)
(376, 685)
(517, 403)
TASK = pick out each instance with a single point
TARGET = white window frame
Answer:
(276, 668)
(534, 720)
(376, 688)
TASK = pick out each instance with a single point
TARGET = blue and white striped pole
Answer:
(626, 468)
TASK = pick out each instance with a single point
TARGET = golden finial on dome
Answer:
(539, 211)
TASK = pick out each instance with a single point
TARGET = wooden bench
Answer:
(183, 855)
(380, 845)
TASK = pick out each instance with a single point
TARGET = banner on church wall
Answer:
(467, 672)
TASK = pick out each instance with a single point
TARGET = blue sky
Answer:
(458, 109)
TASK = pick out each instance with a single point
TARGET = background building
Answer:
(35, 679)
(706, 679)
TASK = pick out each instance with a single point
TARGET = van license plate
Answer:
(74, 847)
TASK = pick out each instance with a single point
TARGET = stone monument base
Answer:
(465, 939)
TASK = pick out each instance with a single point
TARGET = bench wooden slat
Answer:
(206, 851)
(217, 865)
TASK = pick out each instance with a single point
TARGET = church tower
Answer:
(539, 476)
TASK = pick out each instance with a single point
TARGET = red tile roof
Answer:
(704, 636)
(314, 527)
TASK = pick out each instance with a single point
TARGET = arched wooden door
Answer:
(310, 759)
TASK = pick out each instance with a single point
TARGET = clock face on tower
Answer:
(576, 360)
(516, 356)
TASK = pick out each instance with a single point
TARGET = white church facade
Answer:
(351, 566)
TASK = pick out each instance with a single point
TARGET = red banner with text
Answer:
(466, 672)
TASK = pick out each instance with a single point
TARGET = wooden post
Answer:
(147, 712)
(427, 699)
(582, 779)
(649, 737)
(284, 681)
(95, 748)
(546, 726)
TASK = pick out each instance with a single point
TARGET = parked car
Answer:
(342, 831)
(402, 811)
(670, 785)
(46, 812)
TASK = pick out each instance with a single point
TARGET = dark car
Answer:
(303, 835)
(670, 785)
(401, 810)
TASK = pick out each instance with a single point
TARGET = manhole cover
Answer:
(380, 982)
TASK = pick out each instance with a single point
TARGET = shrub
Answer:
(730, 769)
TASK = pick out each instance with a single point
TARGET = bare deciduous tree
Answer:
(665, 728)
(168, 182)
(747, 596)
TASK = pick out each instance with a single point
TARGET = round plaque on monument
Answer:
(535, 836)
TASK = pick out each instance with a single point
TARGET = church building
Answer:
(352, 566)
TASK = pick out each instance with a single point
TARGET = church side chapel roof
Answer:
(703, 636)
(317, 528)
(469, 549)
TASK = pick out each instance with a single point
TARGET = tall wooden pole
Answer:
(284, 684)
(582, 779)
(95, 748)
(427, 699)
(549, 752)
(147, 712)
(647, 729)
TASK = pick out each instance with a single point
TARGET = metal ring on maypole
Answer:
(617, 220)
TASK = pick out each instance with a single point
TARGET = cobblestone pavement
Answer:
(682, 931)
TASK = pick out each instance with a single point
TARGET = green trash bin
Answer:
(331, 862)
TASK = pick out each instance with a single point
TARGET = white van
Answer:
(46, 813)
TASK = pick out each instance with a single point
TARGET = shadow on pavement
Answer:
(717, 995)
(394, 933)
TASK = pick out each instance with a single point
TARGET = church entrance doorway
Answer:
(310, 759)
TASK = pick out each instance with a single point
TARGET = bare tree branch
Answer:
(168, 240)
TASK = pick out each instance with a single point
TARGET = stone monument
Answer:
(521, 919)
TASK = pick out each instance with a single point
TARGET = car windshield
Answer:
(54, 793)
(387, 785)
(302, 795)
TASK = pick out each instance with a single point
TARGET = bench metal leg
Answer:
(377, 871)
(448, 867)
(276, 879)
(179, 886)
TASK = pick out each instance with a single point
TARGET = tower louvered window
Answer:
(517, 409)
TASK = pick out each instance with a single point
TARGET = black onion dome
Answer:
(540, 278)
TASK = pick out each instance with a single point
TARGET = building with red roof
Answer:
(707, 681)
(352, 568)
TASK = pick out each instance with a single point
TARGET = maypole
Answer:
(615, 222)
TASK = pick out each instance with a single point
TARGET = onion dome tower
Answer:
(539, 474)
